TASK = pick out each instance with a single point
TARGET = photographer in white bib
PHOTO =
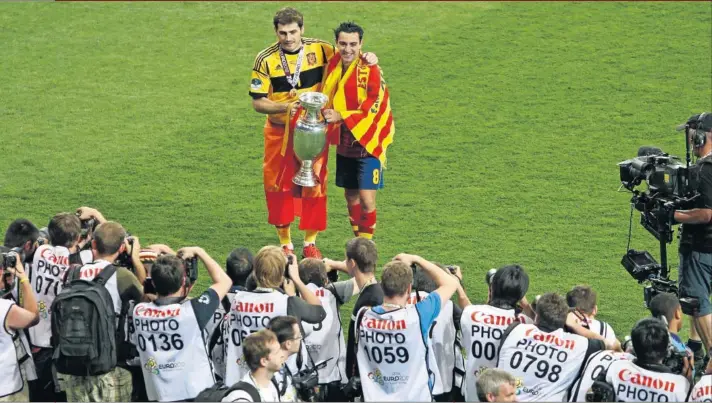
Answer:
(169, 330)
(646, 379)
(392, 345)
(483, 325)
(545, 359)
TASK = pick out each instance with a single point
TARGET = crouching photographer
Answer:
(645, 379)
(695, 272)
(168, 331)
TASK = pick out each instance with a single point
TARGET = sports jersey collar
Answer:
(168, 301)
(653, 367)
(294, 52)
(262, 290)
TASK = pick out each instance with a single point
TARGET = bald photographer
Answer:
(695, 273)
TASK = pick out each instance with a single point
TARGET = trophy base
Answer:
(305, 177)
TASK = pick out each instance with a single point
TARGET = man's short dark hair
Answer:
(363, 251)
(348, 27)
(650, 339)
(583, 298)
(509, 284)
(313, 271)
(64, 229)
(239, 265)
(286, 16)
(19, 232)
(283, 327)
(664, 305)
(551, 309)
(108, 238)
(167, 274)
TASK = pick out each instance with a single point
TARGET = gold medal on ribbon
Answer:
(293, 93)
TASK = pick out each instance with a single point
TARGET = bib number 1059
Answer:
(388, 354)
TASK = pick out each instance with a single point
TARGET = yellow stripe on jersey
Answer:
(269, 79)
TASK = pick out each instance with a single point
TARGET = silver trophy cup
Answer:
(309, 136)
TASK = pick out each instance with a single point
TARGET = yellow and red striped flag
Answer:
(361, 96)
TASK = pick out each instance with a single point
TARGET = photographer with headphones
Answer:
(168, 331)
(695, 272)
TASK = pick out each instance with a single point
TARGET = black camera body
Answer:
(124, 258)
(88, 225)
(352, 389)
(290, 260)
(9, 259)
(191, 269)
(306, 383)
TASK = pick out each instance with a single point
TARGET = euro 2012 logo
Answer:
(242, 361)
(152, 365)
(43, 310)
(376, 376)
(518, 386)
(480, 371)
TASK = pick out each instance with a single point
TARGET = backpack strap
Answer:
(226, 304)
(249, 388)
(217, 334)
(105, 274)
(339, 300)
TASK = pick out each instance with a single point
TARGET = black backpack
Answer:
(217, 392)
(84, 326)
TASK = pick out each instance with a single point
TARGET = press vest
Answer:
(173, 356)
(48, 271)
(596, 364)
(10, 376)
(702, 391)
(635, 384)
(482, 328)
(218, 324)
(442, 345)
(545, 364)
(327, 339)
(249, 312)
(392, 356)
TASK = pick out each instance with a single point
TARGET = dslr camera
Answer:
(352, 389)
(9, 259)
(191, 269)
(124, 258)
(306, 382)
(290, 260)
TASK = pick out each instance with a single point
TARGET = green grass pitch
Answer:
(510, 119)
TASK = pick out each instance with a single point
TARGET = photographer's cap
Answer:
(701, 121)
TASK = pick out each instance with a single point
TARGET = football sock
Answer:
(285, 236)
(310, 237)
(355, 217)
(368, 224)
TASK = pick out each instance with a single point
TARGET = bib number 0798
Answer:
(542, 369)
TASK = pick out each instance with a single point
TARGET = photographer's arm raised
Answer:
(221, 281)
(307, 295)
(87, 213)
(135, 250)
